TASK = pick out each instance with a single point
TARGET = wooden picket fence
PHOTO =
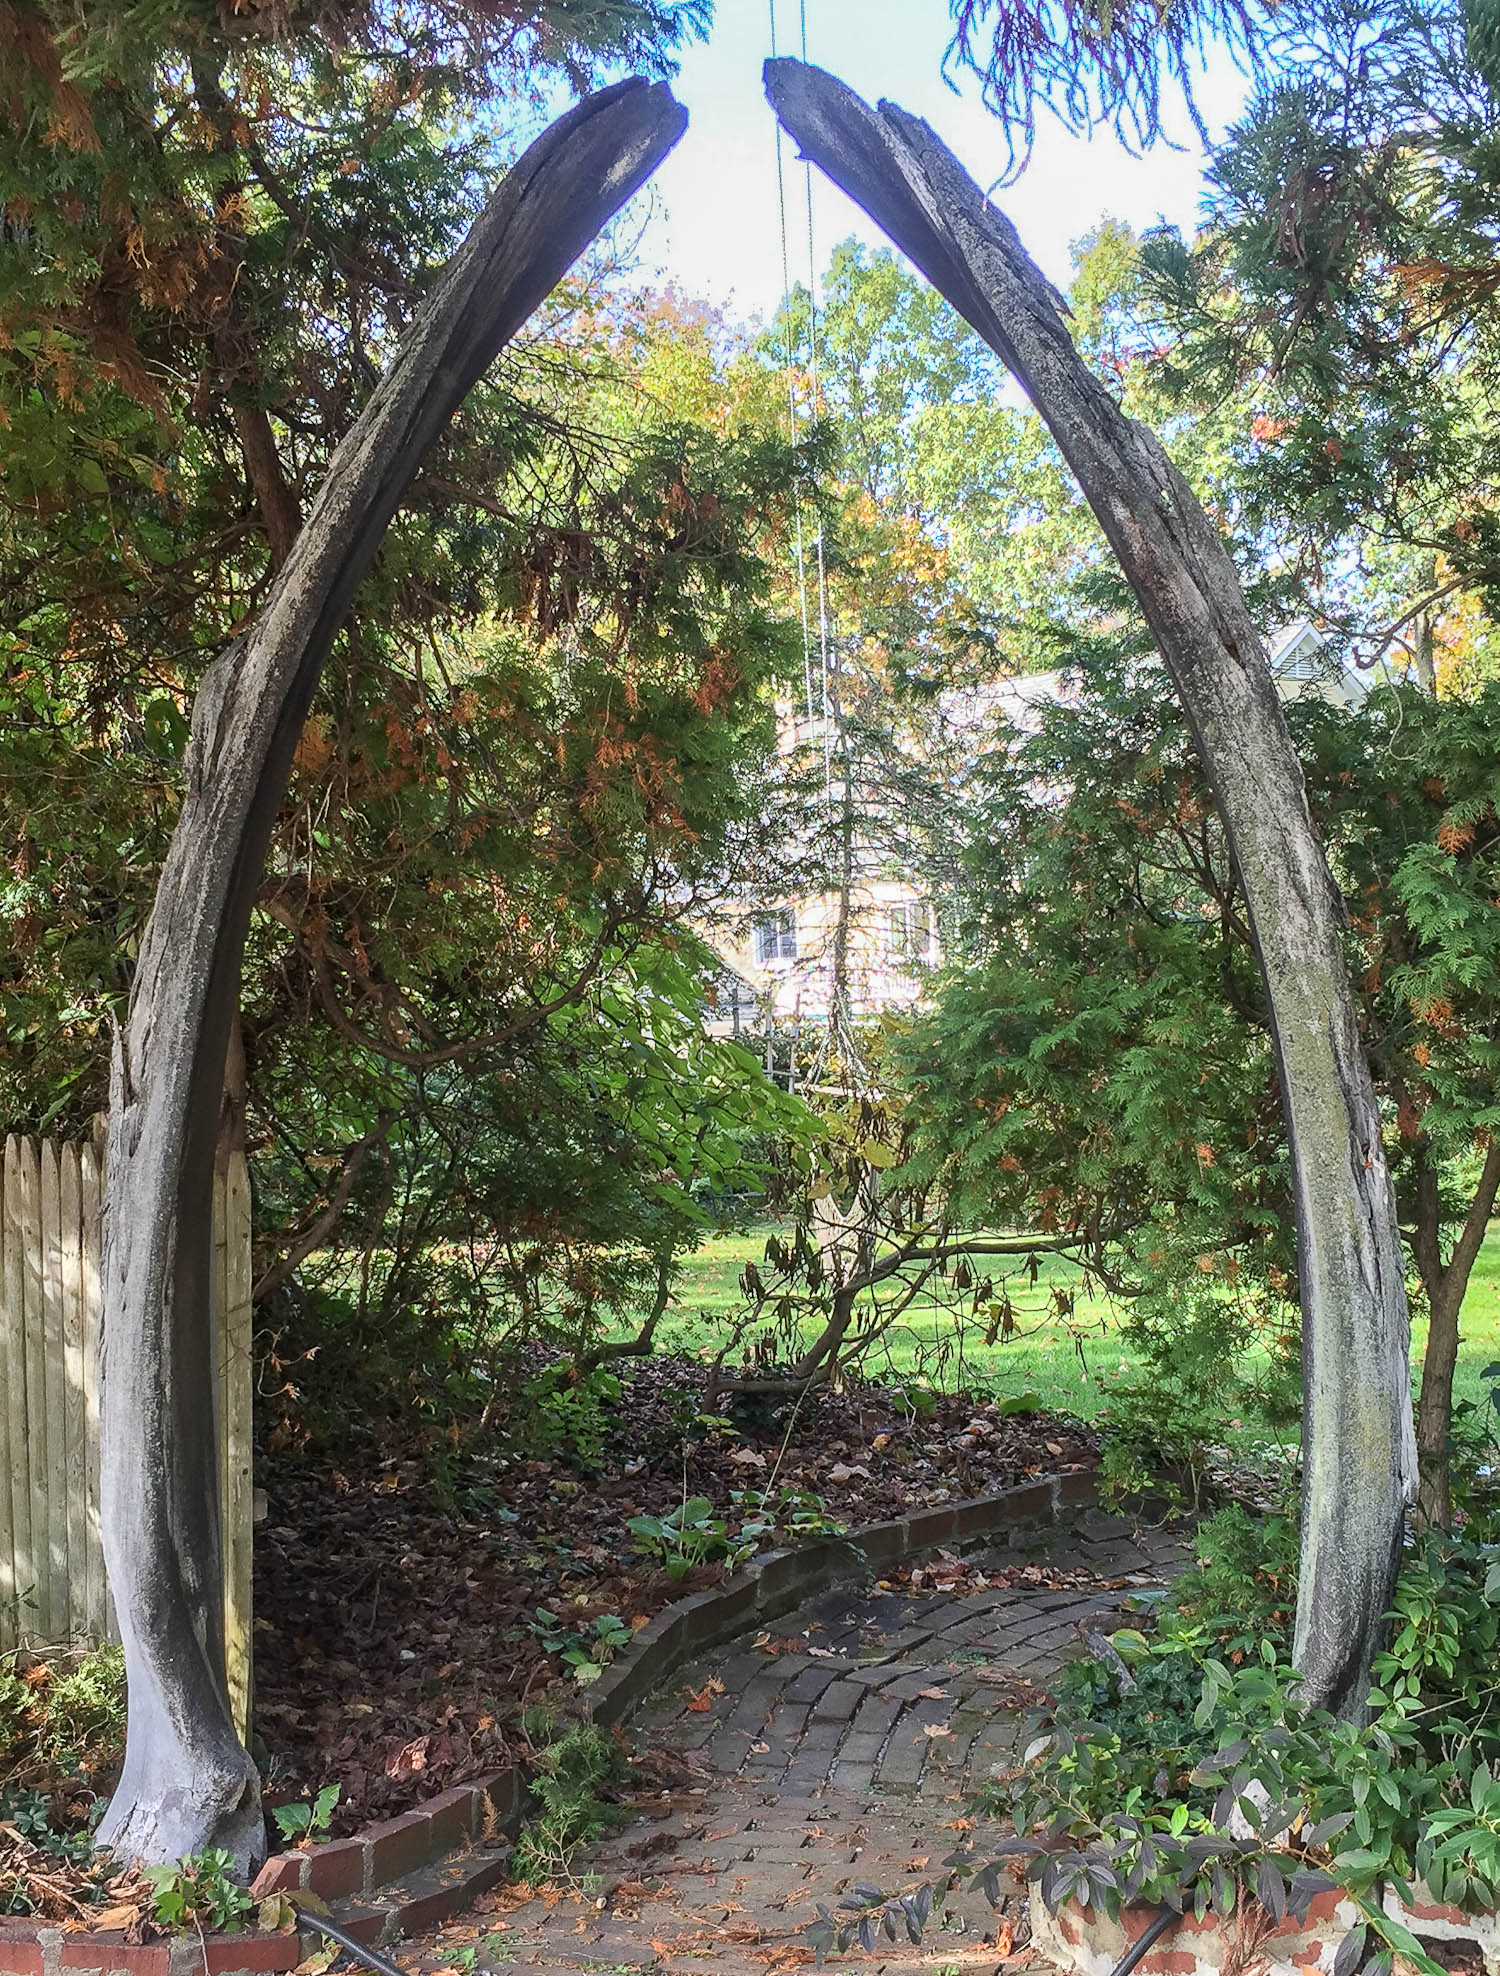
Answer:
(53, 1589)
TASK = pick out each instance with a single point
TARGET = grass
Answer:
(1070, 1362)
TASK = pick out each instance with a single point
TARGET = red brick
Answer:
(932, 1526)
(370, 1925)
(20, 1953)
(451, 1818)
(485, 1870)
(112, 1951)
(399, 1846)
(336, 1869)
(281, 1873)
(979, 1516)
(425, 1911)
(1324, 1907)
(447, 1891)
(254, 1952)
(1429, 1911)
(1028, 1500)
(1171, 1962)
(503, 1795)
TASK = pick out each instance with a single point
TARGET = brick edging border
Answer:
(777, 1582)
(455, 1846)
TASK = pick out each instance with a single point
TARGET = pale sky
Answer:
(715, 230)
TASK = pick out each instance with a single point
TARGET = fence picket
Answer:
(55, 1610)
(15, 1564)
(53, 1584)
(75, 1442)
(99, 1615)
(35, 1604)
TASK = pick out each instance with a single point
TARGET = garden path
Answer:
(845, 1747)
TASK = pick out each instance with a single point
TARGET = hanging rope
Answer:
(837, 1034)
(791, 396)
(813, 382)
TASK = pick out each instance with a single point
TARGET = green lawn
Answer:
(1070, 1364)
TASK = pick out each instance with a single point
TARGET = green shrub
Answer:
(566, 1416)
(584, 1650)
(66, 1716)
(1242, 1589)
(1185, 1771)
(198, 1893)
(687, 1536)
(15, 1708)
(571, 1774)
(39, 1822)
(307, 1819)
(80, 1713)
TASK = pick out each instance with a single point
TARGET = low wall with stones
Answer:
(1090, 1944)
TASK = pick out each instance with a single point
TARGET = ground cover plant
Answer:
(1178, 1768)
(404, 1622)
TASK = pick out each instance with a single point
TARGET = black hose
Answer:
(371, 1958)
(1149, 1937)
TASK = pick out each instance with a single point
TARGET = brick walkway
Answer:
(848, 1754)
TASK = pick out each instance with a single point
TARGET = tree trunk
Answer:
(1435, 1412)
(1358, 1449)
(187, 1783)
(1446, 1285)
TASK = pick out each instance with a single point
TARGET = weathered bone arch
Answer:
(187, 1782)
(1358, 1450)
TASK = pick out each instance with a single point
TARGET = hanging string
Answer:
(791, 400)
(813, 382)
(837, 1033)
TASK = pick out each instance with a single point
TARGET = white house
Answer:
(779, 961)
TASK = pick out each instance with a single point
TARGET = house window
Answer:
(776, 937)
(911, 930)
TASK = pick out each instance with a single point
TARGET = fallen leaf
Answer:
(409, 1759)
(932, 1730)
(934, 1695)
(116, 1917)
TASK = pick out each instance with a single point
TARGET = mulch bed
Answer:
(394, 1649)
